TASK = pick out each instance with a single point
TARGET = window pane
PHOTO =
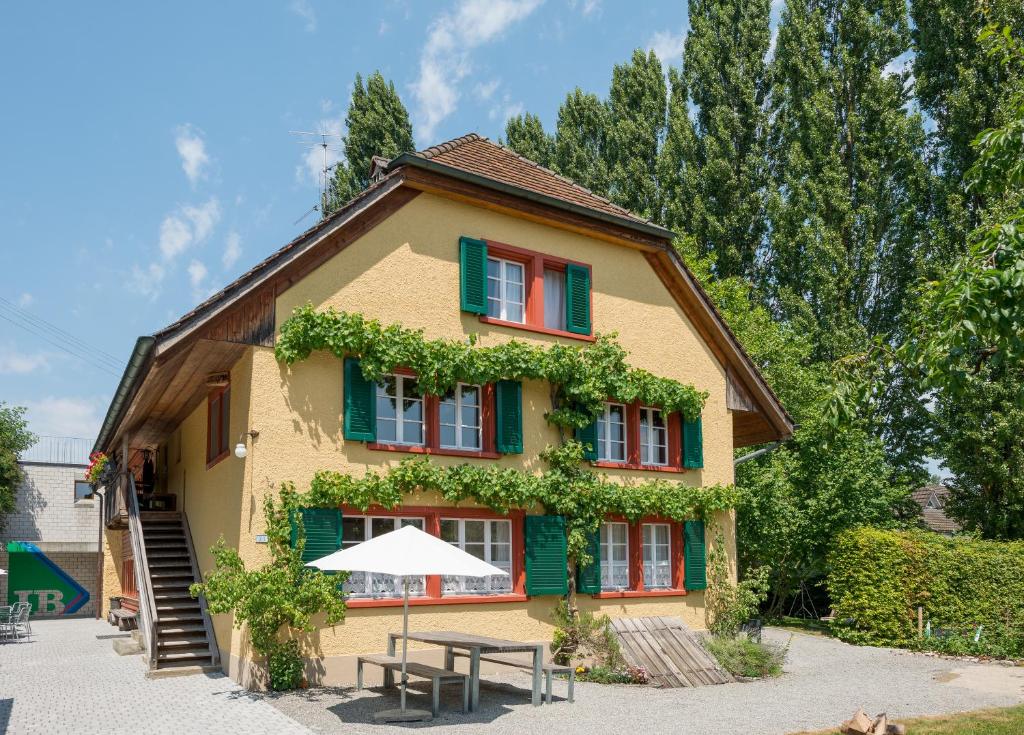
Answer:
(554, 299)
(386, 430)
(82, 489)
(380, 526)
(353, 530)
(447, 409)
(514, 312)
(412, 410)
(493, 268)
(450, 531)
(470, 438)
(514, 275)
(448, 436)
(474, 531)
(476, 550)
(470, 395)
(501, 531)
(417, 522)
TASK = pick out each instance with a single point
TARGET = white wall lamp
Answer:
(240, 450)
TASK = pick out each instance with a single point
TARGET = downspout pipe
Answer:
(755, 454)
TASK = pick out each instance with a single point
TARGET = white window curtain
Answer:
(554, 299)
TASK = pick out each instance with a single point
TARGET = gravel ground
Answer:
(824, 682)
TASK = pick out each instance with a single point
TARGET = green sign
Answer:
(34, 578)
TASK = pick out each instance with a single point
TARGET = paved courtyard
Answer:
(69, 680)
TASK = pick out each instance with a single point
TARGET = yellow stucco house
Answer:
(462, 238)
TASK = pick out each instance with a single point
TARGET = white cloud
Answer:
(192, 149)
(445, 59)
(189, 225)
(146, 281)
(668, 46)
(505, 109)
(232, 250)
(25, 300)
(53, 416)
(13, 362)
(305, 11)
(486, 90)
(196, 273)
(587, 7)
(383, 28)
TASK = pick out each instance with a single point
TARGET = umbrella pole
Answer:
(405, 636)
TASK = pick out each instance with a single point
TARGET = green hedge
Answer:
(877, 579)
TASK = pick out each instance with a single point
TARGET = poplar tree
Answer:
(525, 135)
(636, 124)
(679, 205)
(377, 124)
(848, 206)
(581, 141)
(726, 77)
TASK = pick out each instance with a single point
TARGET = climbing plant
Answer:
(582, 378)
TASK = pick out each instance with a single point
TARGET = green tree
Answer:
(581, 141)
(636, 124)
(960, 85)
(678, 171)
(726, 77)
(849, 208)
(525, 135)
(377, 124)
(978, 435)
(15, 438)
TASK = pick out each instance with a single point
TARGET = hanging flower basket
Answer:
(98, 462)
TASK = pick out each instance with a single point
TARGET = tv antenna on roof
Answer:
(329, 143)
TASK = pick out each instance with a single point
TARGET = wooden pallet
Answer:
(671, 653)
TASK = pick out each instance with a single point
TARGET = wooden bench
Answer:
(412, 668)
(123, 619)
(549, 670)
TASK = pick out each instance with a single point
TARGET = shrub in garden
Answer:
(877, 579)
(585, 636)
(285, 666)
(743, 657)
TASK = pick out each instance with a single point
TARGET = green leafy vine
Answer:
(582, 378)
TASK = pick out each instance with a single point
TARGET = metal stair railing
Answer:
(147, 604)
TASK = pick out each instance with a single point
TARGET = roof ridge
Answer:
(448, 145)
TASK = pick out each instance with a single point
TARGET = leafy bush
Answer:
(743, 657)
(585, 636)
(728, 605)
(285, 666)
(609, 675)
(877, 579)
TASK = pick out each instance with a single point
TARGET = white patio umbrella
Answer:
(407, 552)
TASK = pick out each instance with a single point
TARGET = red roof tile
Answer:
(478, 155)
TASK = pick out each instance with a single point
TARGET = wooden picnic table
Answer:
(476, 645)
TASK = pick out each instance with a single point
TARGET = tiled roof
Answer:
(935, 518)
(479, 155)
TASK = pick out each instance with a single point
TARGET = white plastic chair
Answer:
(6, 622)
(20, 620)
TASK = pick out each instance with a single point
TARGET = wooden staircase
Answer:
(182, 633)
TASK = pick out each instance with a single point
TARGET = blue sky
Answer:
(147, 157)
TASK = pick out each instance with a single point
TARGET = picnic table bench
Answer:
(437, 676)
(549, 669)
(477, 646)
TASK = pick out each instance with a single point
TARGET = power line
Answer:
(61, 333)
(85, 357)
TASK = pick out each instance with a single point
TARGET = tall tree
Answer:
(848, 209)
(581, 141)
(726, 77)
(636, 123)
(679, 205)
(15, 438)
(525, 135)
(959, 84)
(377, 125)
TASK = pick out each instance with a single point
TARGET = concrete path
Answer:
(67, 679)
(825, 681)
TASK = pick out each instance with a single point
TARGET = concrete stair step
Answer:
(170, 631)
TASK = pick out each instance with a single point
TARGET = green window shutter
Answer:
(693, 444)
(577, 299)
(588, 578)
(508, 395)
(473, 275)
(546, 556)
(323, 532)
(694, 556)
(360, 404)
(587, 436)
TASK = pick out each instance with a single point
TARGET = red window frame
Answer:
(534, 263)
(634, 536)
(432, 516)
(218, 412)
(432, 427)
(675, 442)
